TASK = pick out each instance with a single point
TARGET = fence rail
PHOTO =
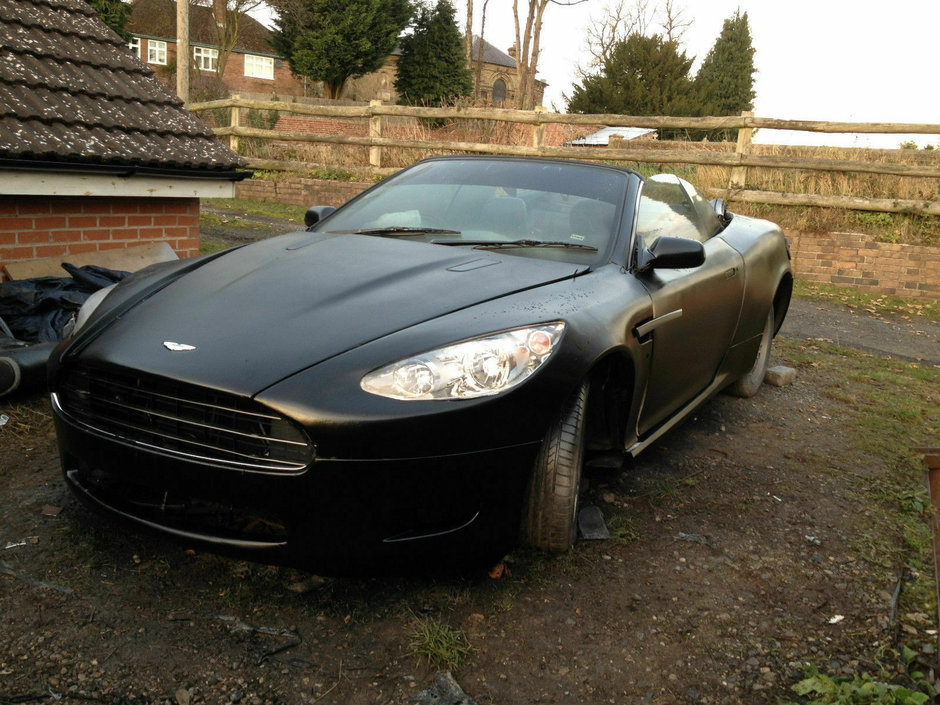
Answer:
(739, 160)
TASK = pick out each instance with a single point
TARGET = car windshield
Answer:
(551, 210)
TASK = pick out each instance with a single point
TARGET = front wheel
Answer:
(748, 385)
(550, 516)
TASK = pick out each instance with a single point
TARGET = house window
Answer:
(134, 46)
(499, 91)
(206, 59)
(259, 66)
(156, 52)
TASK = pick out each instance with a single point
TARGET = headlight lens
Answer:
(88, 308)
(473, 368)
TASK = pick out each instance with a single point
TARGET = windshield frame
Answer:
(619, 186)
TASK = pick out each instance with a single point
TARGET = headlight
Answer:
(88, 308)
(473, 368)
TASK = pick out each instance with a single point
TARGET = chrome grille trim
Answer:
(183, 420)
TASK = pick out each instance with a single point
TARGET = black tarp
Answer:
(38, 310)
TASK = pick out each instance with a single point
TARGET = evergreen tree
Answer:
(115, 14)
(641, 76)
(433, 67)
(725, 80)
(335, 40)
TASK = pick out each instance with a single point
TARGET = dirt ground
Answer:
(743, 548)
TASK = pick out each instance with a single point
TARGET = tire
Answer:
(747, 386)
(550, 515)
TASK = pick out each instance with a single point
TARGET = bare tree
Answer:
(673, 21)
(228, 15)
(478, 76)
(527, 46)
(468, 36)
(622, 18)
(618, 21)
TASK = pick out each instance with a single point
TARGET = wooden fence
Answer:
(739, 160)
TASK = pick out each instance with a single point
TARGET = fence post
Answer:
(538, 130)
(739, 173)
(235, 122)
(375, 130)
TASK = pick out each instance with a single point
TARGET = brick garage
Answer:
(95, 153)
(35, 227)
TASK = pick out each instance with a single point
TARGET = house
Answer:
(252, 67)
(95, 153)
(255, 67)
(497, 83)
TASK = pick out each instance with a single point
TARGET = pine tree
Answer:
(725, 80)
(433, 67)
(335, 40)
(115, 14)
(641, 76)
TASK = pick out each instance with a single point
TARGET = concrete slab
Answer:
(126, 259)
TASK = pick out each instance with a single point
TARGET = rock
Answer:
(444, 690)
(780, 376)
(308, 584)
(183, 696)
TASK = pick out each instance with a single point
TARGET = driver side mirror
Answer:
(672, 253)
(315, 214)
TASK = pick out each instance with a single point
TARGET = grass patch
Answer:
(438, 645)
(893, 408)
(270, 209)
(209, 245)
(231, 221)
(872, 303)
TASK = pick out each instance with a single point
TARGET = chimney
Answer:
(512, 51)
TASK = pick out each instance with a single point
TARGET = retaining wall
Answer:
(859, 262)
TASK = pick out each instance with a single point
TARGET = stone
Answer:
(780, 376)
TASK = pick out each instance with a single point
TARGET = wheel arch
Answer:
(782, 298)
(614, 400)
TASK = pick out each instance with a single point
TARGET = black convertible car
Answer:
(419, 377)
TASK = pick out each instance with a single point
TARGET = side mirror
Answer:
(315, 214)
(721, 210)
(672, 253)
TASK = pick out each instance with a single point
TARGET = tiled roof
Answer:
(72, 93)
(492, 55)
(157, 18)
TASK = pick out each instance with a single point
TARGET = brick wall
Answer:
(845, 259)
(859, 262)
(34, 226)
(300, 192)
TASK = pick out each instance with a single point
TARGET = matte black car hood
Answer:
(266, 311)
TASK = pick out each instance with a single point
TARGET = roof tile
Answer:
(71, 92)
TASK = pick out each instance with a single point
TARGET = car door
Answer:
(695, 311)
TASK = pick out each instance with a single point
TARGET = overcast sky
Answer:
(835, 60)
(831, 60)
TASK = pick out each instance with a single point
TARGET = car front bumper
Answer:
(337, 516)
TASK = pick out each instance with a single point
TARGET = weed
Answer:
(439, 645)
(623, 529)
(820, 689)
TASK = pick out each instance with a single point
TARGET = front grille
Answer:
(184, 419)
